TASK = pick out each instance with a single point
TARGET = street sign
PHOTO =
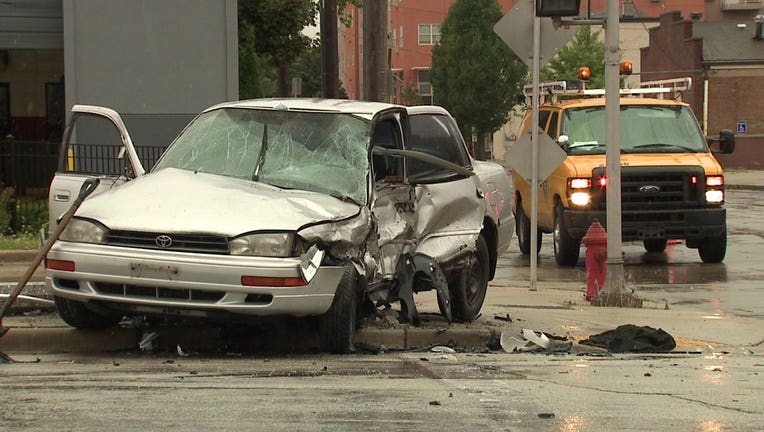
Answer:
(742, 127)
(515, 28)
(519, 158)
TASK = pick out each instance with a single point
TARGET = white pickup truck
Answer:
(278, 207)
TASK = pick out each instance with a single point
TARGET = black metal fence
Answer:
(29, 166)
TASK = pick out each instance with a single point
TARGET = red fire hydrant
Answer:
(595, 241)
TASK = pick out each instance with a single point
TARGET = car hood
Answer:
(173, 200)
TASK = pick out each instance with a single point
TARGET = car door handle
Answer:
(61, 196)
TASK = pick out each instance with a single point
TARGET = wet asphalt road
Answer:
(735, 286)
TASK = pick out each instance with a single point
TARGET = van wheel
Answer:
(469, 288)
(713, 249)
(566, 248)
(337, 325)
(77, 315)
(523, 229)
(655, 244)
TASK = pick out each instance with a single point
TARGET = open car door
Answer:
(96, 144)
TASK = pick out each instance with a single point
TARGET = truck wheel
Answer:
(713, 249)
(566, 248)
(655, 244)
(469, 288)
(523, 229)
(337, 325)
(78, 316)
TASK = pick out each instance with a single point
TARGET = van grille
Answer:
(200, 243)
(654, 188)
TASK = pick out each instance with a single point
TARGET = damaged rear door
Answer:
(96, 144)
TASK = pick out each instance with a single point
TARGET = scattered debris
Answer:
(146, 343)
(5, 358)
(435, 403)
(533, 341)
(506, 318)
(635, 339)
(181, 352)
(546, 415)
(648, 374)
(442, 349)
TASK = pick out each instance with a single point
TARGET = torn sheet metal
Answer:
(310, 261)
(428, 269)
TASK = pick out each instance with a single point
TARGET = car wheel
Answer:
(337, 325)
(523, 229)
(469, 289)
(77, 315)
(713, 249)
(566, 248)
(655, 244)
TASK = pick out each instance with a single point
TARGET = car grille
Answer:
(160, 293)
(199, 243)
(654, 188)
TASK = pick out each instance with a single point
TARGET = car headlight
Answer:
(83, 231)
(266, 244)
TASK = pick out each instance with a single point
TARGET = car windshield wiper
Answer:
(261, 156)
(663, 145)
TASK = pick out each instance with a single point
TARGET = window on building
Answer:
(424, 87)
(5, 110)
(429, 34)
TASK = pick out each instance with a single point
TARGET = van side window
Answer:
(552, 129)
(543, 117)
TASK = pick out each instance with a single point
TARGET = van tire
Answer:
(566, 248)
(713, 249)
(523, 230)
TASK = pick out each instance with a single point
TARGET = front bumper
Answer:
(174, 282)
(685, 224)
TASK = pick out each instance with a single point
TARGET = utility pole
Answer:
(375, 68)
(329, 49)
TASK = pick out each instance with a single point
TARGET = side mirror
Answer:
(562, 140)
(726, 141)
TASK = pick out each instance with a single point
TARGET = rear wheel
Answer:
(713, 249)
(337, 325)
(655, 244)
(77, 315)
(469, 288)
(523, 229)
(566, 248)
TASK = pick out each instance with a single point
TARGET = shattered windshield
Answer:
(644, 129)
(319, 152)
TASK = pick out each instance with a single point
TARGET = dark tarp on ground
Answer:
(631, 338)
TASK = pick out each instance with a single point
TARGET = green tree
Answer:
(474, 73)
(256, 77)
(277, 27)
(585, 49)
(307, 67)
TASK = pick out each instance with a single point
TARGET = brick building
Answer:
(725, 60)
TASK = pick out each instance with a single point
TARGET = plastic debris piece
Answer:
(537, 338)
(146, 343)
(181, 352)
(442, 349)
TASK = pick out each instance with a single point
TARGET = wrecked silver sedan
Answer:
(278, 207)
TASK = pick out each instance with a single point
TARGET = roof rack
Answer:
(554, 90)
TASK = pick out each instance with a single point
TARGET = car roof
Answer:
(600, 101)
(345, 106)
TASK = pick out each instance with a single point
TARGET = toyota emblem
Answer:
(163, 241)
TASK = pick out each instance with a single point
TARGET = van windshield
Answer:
(644, 129)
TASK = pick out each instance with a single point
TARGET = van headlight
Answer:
(83, 231)
(579, 191)
(263, 244)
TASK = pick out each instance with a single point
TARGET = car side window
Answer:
(94, 146)
(436, 135)
(387, 135)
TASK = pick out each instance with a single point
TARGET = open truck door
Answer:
(96, 144)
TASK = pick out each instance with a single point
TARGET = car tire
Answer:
(655, 244)
(713, 249)
(566, 248)
(77, 315)
(337, 326)
(468, 289)
(523, 230)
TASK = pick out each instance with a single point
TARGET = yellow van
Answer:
(672, 187)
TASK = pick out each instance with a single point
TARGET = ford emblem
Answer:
(163, 241)
(649, 189)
